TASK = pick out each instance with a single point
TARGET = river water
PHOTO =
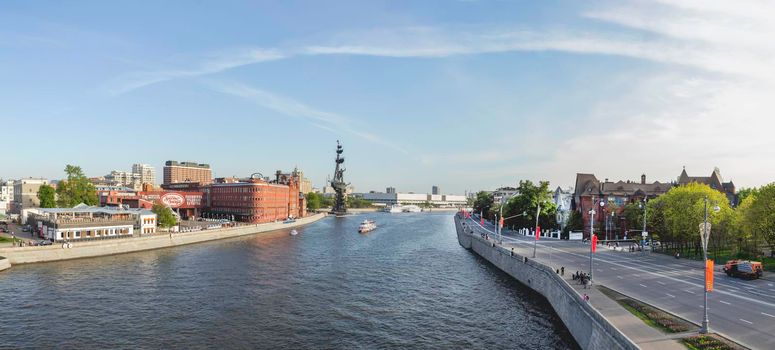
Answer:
(406, 285)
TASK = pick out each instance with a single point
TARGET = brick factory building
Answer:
(256, 200)
(187, 204)
(179, 172)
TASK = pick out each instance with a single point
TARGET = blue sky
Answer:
(466, 95)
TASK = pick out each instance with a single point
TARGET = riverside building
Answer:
(436, 200)
(256, 200)
(178, 172)
(85, 222)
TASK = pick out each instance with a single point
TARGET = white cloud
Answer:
(331, 122)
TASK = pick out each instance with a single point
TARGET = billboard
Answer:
(173, 199)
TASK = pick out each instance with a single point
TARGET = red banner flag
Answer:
(482, 223)
(538, 232)
(501, 222)
(594, 243)
(709, 275)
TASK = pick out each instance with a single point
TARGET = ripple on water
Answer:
(406, 285)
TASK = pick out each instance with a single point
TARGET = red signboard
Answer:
(185, 200)
(594, 243)
(538, 232)
(709, 275)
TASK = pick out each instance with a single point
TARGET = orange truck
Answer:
(743, 269)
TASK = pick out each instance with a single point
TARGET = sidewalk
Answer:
(645, 336)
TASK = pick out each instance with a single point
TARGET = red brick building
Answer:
(609, 221)
(186, 204)
(256, 200)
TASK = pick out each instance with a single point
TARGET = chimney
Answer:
(643, 179)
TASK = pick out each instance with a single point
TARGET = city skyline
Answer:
(477, 96)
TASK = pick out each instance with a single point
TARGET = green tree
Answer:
(357, 202)
(575, 222)
(164, 215)
(47, 196)
(677, 215)
(76, 189)
(745, 193)
(757, 214)
(483, 202)
(313, 201)
(527, 201)
(633, 215)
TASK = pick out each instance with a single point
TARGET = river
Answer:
(406, 285)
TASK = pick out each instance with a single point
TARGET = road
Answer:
(741, 310)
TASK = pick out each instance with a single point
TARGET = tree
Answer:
(313, 201)
(47, 196)
(164, 215)
(633, 215)
(575, 222)
(483, 202)
(758, 216)
(357, 202)
(678, 213)
(745, 193)
(527, 202)
(76, 189)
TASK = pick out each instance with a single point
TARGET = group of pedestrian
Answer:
(582, 278)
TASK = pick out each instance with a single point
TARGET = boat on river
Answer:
(366, 226)
(395, 208)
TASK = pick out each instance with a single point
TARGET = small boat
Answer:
(411, 209)
(289, 221)
(294, 232)
(395, 208)
(366, 226)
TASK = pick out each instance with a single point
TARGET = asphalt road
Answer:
(741, 310)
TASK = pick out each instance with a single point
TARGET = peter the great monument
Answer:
(340, 187)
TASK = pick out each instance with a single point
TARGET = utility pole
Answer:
(704, 329)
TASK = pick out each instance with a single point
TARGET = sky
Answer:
(466, 95)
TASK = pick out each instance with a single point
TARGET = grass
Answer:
(704, 342)
(651, 316)
(8, 240)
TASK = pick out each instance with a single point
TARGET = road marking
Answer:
(688, 291)
(670, 295)
(619, 277)
(724, 302)
(770, 284)
(746, 321)
(662, 283)
(613, 268)
(766, 314)
(642, 285)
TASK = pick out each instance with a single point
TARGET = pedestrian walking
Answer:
(562, 271)
(585, 297)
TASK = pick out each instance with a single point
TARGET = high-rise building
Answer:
(6, 195)
(146, 172)
(390, 190)
(178, 172)
(435, 190)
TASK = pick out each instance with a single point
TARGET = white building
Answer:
(6, 195)
(125, 178)
(503, 194)
(146, 173)
(437, 200)
(85, 222)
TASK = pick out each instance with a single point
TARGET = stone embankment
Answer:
(87, 249)
(590, 328)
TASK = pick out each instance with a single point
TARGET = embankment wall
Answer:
(590, 329)
(86, 249)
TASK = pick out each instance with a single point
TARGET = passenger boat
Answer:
(366, 226)
(411, 209)
(395, 208)
(294, 232)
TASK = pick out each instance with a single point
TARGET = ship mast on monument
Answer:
(340, 187)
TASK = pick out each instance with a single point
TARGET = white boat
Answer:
(294, 232)
(411, 209)
(395, 208)
(366, 226)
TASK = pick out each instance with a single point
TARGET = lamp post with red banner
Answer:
(538, 230)
(705, 234)
(592, 240)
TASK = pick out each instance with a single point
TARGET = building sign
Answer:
(185, 200)
(172, 199)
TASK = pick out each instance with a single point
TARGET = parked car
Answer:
(45, 242)
(26, 228)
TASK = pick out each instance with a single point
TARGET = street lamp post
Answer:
(535, 241)
(591, 233)
(643, 237)
(705, 236)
